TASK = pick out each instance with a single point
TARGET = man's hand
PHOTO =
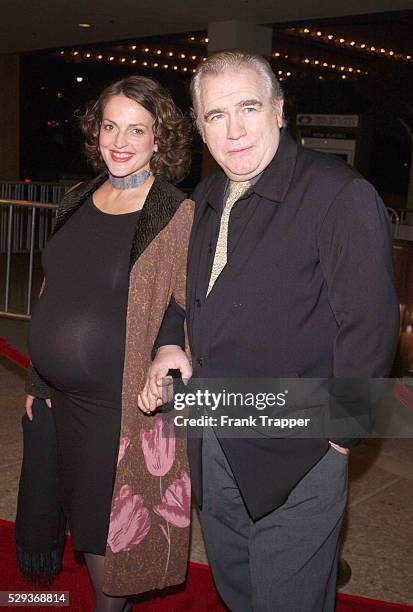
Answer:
(168, 357)
(29, 405)
(340, 449)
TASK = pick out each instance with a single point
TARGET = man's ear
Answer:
(279, 106)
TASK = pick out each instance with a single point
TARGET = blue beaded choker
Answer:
(130, 181)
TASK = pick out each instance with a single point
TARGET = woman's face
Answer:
(126, 138)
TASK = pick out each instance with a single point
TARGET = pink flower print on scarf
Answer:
(123, 445)
(129, 521)
(175, 506)
(158, 446)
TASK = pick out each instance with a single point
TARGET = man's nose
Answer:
(235, 127)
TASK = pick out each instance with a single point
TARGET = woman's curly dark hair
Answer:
(171, 128)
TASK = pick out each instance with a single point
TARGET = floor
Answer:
(378, 530)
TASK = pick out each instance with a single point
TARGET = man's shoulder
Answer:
(322, 177)
(325, 165)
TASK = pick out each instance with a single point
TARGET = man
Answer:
(293, 279)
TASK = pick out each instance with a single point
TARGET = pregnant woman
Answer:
(116, 259)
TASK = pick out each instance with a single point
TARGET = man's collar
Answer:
(275, 178)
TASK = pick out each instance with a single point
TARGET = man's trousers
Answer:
(285, 561)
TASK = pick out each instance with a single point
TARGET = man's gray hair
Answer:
(232, 60)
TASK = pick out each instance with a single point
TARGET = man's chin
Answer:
(240, 172)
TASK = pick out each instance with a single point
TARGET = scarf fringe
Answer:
(39, 567)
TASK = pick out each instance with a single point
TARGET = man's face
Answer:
(240, 124)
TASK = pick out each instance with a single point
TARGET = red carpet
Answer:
(197, 595)
(13, 354)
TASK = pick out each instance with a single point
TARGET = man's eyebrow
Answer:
(242, 104)
(252, 102)
(213, 111)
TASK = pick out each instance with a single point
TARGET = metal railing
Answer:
(24, 229)
(47, 193)
(405, 215)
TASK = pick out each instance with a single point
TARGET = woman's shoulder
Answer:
(166, 190)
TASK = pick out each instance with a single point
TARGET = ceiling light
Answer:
(84, 25)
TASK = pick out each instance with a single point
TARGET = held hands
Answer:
(29, 405)
(168, 357)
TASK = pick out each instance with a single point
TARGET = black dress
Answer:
(77, 343)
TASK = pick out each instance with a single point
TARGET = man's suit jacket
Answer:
(308, 291)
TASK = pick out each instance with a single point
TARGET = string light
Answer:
(316, 62)
(339, 40)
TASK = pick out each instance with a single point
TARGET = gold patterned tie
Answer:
(235, 192)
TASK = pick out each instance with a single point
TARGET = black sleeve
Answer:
(355, 249)
(35, 385)
(172, 327)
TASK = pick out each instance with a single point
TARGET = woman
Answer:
(116, 259)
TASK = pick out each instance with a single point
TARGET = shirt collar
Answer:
(272, 183)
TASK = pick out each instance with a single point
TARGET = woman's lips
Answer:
(120, 157)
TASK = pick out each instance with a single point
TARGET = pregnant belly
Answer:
(78, 351)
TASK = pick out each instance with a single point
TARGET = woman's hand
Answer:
(29, 405)
(340, 449)
(168, 357)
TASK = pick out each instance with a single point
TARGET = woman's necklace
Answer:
(130, 181)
